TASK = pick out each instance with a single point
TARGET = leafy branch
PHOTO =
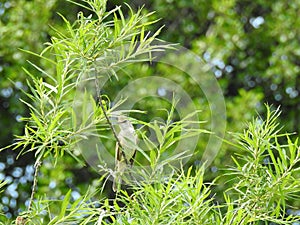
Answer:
(89, 44)
(266, 180)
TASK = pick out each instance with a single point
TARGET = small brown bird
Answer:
(128, 141)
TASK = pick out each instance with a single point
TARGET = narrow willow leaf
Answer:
(70, 29)
(65, 204)
(37, 121)
(158, 133)
(53, 123)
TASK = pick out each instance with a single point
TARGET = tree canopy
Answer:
(203, 84)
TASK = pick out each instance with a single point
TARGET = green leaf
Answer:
(152, 158)
(37, 121)
(158, 132)
(54, 121)
(65, 204)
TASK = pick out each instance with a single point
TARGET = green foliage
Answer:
(2, 216)
(264, 179)
(252, 49)
(263, 183)
(66, 211)
(83, 46)
(265, 176)
(164, 149)
(182, 198)
(15, 19)
(260, 190)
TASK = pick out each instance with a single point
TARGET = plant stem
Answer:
(35, 180)
(107, 119)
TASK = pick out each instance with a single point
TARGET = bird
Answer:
(125, 150)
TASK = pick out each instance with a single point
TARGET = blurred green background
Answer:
(253, 48)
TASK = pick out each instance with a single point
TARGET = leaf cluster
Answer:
(263, 180)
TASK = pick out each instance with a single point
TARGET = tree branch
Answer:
(35, 181)
(107, 119)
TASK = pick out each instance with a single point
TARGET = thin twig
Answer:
(35, 180)
(107, 119)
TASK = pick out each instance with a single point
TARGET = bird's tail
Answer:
(117, 183)
(120, 168)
